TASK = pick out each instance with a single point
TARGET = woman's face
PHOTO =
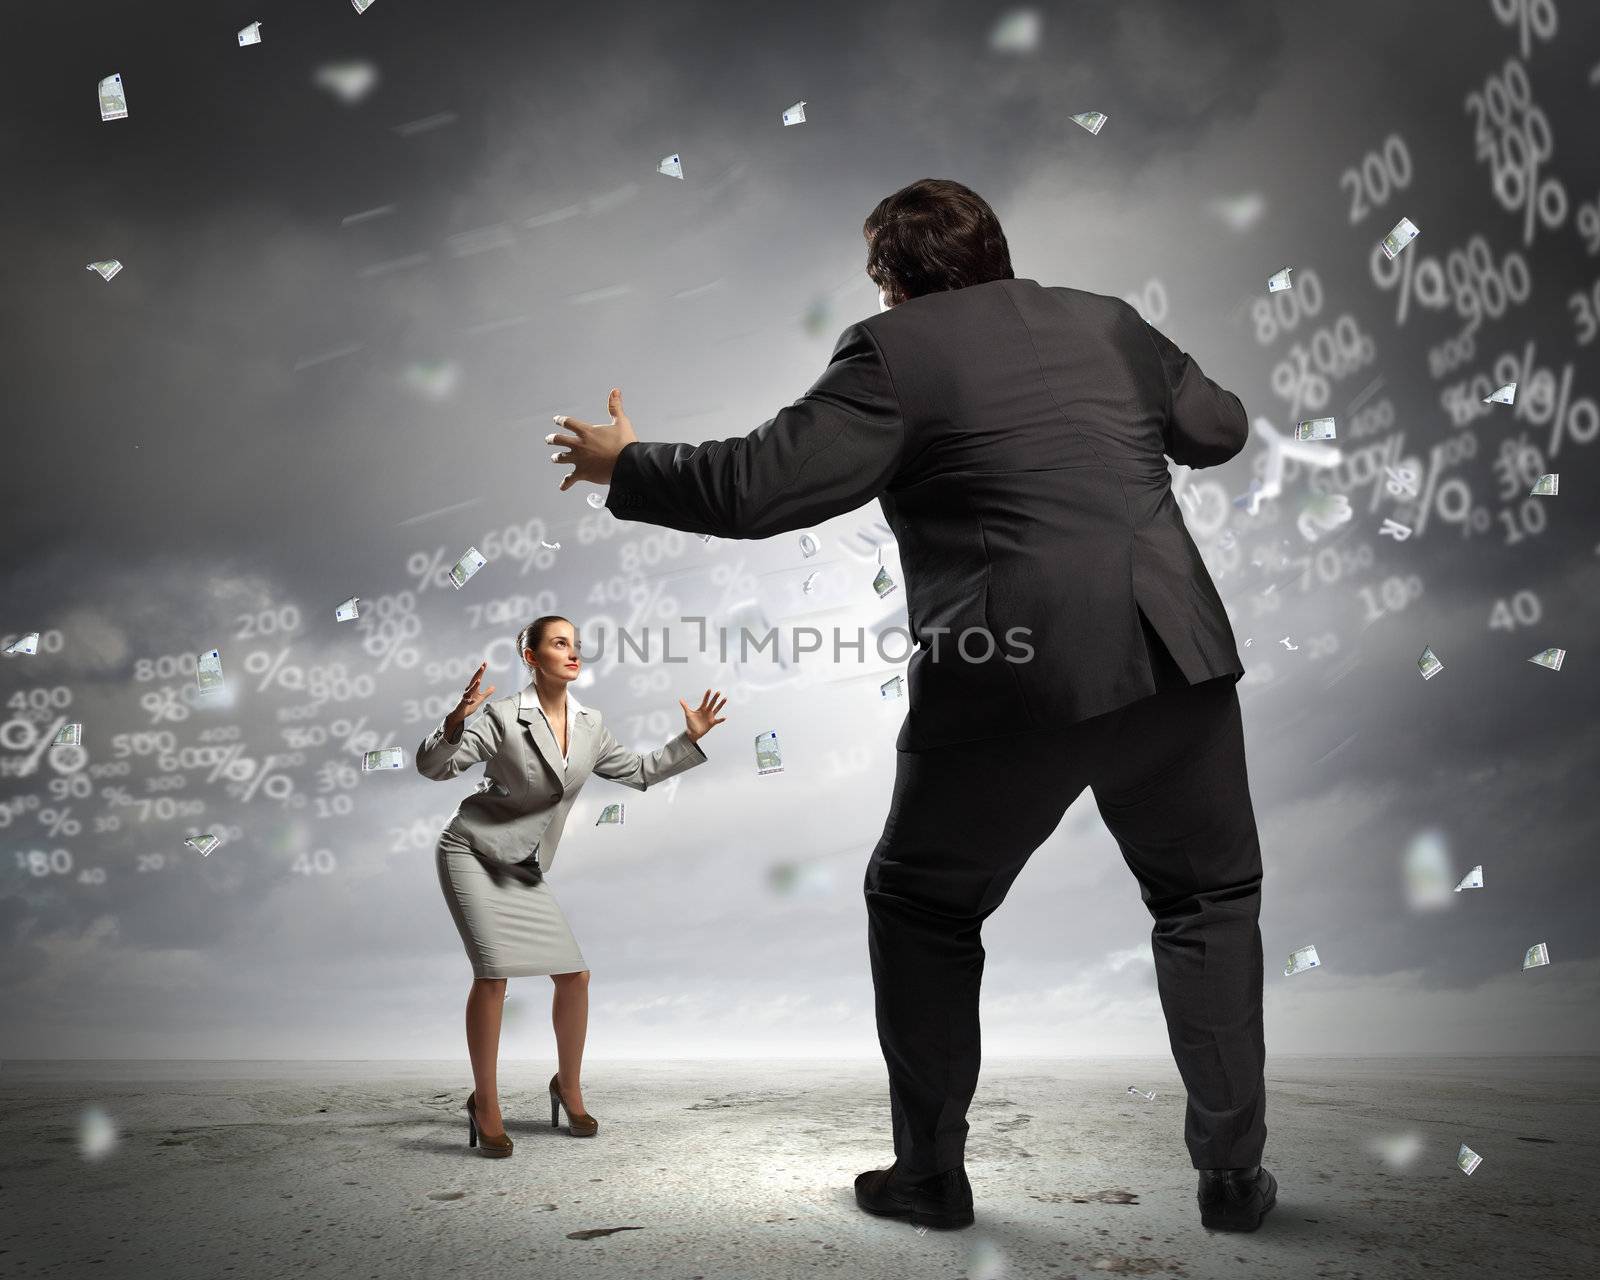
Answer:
(557, 657)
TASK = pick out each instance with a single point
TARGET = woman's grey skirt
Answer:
(509, 921)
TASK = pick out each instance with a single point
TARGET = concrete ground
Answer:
(744, 1170)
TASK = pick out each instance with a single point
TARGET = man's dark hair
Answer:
(934, 234)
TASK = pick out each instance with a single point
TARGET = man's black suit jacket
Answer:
(1014, 435)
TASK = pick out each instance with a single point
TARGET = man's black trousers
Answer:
(1168, 776)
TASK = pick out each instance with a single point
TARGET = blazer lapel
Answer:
(578, 729)
(582, 731)
(528, 713)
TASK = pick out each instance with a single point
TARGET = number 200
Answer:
(1379, 175)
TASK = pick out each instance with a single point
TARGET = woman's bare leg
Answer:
(485, 1002)
(569, 1011)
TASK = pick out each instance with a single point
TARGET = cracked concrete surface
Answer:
(744, 1169)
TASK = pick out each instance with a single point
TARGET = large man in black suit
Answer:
(1067, 635)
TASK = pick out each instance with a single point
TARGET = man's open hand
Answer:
(592, 450)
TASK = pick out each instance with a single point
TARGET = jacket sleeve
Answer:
(442, 758)
(832, 450)
(632, 769)
(1205, 425)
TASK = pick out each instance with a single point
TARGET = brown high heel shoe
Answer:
(494, 1145)
(580, 1126)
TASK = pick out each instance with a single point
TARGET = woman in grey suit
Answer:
(540, 746)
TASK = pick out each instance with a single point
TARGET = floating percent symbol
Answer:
(387, 641)
(735, 584)
(1543, 400)
(60, 822)
(645, 603)
(353, 735)
(1400, 483)
(164, 704)
(273, 670)
(231, 764)
(1524, 146)
(38, 746)
(534, 553)
(1413, 276)
(430, 571)
(1530, 17)
(275, 785)
(1458, 508)
(1297, 382)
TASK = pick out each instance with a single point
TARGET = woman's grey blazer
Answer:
(526, 792)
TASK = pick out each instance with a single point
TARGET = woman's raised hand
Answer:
(701, 719)
(471, 698)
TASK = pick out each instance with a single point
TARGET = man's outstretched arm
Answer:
(1206, 424)
(829, 452)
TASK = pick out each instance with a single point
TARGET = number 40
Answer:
(1523, 610)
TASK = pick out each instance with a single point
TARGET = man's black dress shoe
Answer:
(943, 1200)
(1236, 1199)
